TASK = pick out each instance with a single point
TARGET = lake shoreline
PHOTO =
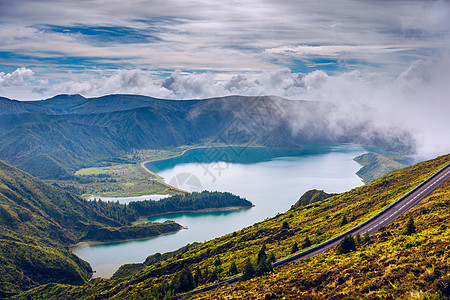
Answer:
(143, 164)
(272, 185)
(231, 208)
(90, 243)
(218, 209)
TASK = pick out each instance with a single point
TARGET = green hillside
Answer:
(38, 223)
(392, 265)
(387, 264)
(376, 165)
(56, 149)
(310, 197)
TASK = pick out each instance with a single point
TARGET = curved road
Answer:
(383, 218)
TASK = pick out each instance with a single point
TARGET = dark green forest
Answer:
(189, 202)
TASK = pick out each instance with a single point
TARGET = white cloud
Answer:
(335, 50)
(223, 36)
(415, 100)
(16, 78)
(315, 79)
(192, 85)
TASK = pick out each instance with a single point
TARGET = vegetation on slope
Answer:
(310, 197)
(393, 265)
(55, 149)
(105, 234)
(121, 179)
(38, 223)
(24, 266)
(376, 165)
(128, 270)
(379, 270)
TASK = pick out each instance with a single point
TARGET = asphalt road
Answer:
(388, 215)
(385, 217)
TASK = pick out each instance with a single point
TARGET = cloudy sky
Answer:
(192, 49)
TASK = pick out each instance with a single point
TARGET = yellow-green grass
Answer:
(126, 179)
(119, 180)
(391, 266)
(319, 221)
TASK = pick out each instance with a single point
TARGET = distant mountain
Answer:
(61, 104)
(8, 106)
(77, 104)
(71, 131)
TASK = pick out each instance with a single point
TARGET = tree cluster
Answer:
(188, 201)
(262, 265)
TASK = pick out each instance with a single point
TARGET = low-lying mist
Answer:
(412, 105)
(416, 101)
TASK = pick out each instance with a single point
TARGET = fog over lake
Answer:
(273, 179)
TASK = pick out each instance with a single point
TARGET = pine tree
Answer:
(410, 227)
(358, 239)
(366, 237)
(183, 281)
(346, 245)
(249, 270)
(306, 243)
(198, 278)
(261, 254)
(206, 274)
(214, 276)
(285, 226)
(294, 248)
(344, 221)
(217, 262)
(263, 265)
(233, 269)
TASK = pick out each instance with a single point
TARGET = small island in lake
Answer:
(191, 202)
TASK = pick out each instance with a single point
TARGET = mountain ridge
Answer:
(111, 126)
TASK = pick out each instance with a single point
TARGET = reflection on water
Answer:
(273, 184)
(126, 200)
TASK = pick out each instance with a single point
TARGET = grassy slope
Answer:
(54, 149)
(390, 266)
(376, 165)
(319, 221)
(24, 266)
(37, 224)
(310, 197)
(127, 179)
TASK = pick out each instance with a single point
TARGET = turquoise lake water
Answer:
(273, 179)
